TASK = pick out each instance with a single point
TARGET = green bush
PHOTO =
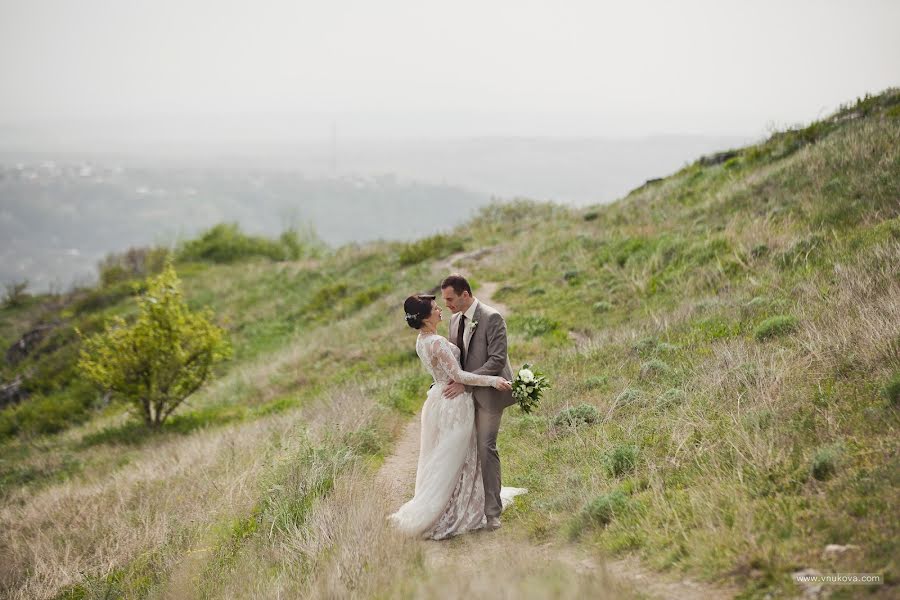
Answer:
(670, 397)
(802, 252)
(102, 297)
(629, 396)
(620, 460)
(825, 461)
(160, 360)
(776, 327)
(572, 277)
(225, 243)
(757, 303)
(44, 414)
(595, 382)
(645, 345)
(654, 368)
(759, 250)
(16, 295)
(436, 246)
(532, 326)
(132, 263)
(584, 414)
(891, 390)
(604, 508)
(367, 296)
(602, 306)
(301, 243)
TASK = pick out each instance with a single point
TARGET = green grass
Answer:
(583, 414)
(777, 326)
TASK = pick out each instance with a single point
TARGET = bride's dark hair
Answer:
(417, 307)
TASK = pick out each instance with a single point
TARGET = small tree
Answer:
(15, 294)
(161, 359)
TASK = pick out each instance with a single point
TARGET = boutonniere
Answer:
(472, 325)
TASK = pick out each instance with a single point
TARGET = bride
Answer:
(449, 493)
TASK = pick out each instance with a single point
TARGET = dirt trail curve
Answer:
(464, 554)
(487, 289)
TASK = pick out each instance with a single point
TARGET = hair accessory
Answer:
(410, 317)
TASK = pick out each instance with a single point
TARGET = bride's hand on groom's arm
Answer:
(453, 389)
(503, 385)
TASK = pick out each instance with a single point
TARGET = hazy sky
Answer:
(424, 68)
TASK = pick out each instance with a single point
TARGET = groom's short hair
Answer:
(458, 283)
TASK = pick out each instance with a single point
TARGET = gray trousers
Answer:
(487, 425)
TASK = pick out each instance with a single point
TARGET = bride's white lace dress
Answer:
(449, 496)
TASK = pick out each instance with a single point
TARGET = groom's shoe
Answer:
(492, 523)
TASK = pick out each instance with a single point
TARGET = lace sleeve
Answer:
(443, 361)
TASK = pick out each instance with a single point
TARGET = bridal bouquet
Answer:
(528, 386)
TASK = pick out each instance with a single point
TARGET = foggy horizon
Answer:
(401, 69)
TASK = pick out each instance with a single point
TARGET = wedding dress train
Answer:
(449, 493)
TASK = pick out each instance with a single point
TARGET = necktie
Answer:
(460, 333)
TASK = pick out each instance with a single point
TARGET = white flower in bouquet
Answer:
(528, 386)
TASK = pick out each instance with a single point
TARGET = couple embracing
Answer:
(458, 475)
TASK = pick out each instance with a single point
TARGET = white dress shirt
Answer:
(469, 314)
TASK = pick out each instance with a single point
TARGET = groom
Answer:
(480, 333)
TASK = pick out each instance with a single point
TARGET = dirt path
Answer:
(464, 555)
(487, 289)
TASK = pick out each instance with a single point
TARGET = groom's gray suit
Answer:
(486, 354)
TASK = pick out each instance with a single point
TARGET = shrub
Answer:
(436, 246)
(369, 295)
(603, 509)
(301, 243)
(602, 306)
(572, 277)
(533, 326)
(670, 397)
(16, 295)
(757, 303)
(584, 414)
(825, 461)
(802, 252)
(776, 327)
(595, 382)
(620, 460)
(44, 414)
(629, 395)
(160, 360)
(225, 243)
(644, 345)
(891, 390)
(131, 264)
(654, 368)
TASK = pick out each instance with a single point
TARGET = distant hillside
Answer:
(60, 218)
(724, 345)
(62, 212)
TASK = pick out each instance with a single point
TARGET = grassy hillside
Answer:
(725, 350)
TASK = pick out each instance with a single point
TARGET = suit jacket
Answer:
(486, 355)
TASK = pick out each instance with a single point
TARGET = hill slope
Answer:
(729, 338)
